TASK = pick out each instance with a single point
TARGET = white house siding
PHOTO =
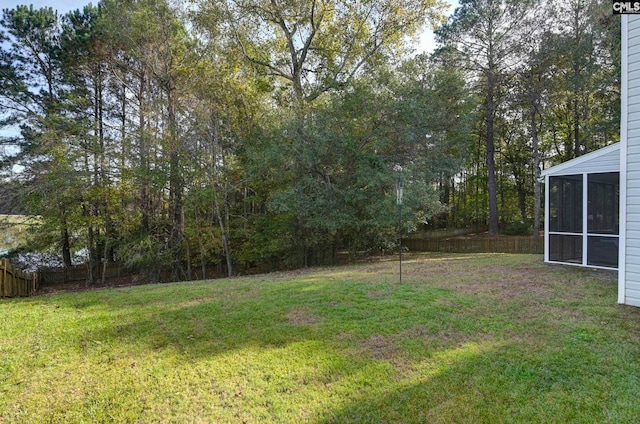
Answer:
(629, 271)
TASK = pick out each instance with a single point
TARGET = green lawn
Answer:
(465, 339)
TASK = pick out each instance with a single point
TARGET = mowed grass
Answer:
(464, 339)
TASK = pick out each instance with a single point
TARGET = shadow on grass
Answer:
(498, 384)
(205, 319)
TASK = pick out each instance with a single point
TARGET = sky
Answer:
(426, 43)
(62, 6)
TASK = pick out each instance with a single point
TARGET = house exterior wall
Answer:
(629, 259)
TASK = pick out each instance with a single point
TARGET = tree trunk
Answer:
(224, 230)
(203, 263)
(576, 129)
(188, 253)
(522, 201)
(175, 188)
(144, 159)
(537, 201)
(66, 245)
(123, 130)
(491, 161)
(215, 175)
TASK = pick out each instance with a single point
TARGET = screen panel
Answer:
(602, 251)
(565, 248)
(603, 200)
(565, 204)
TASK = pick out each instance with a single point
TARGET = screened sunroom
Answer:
(582, 210)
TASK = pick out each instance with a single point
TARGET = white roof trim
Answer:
(581, 159)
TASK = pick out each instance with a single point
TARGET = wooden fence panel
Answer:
(80, 273)
(511, 244)
(15, 282)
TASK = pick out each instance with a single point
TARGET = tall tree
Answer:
(33, 96)
(320, 45)
(441, 122)
(310, 49)
(535, 90)
(84, 62)
(164, 55)
(585, 70)
(488, 35)
(225, 103)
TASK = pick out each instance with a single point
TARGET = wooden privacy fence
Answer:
(510, 244)
(81, 273)
(14, 282)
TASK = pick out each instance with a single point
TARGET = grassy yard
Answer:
(465, 339)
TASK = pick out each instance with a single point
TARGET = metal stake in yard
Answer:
(399, 193)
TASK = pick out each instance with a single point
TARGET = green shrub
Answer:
(519, 228)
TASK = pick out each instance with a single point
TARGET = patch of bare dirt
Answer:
(191, 303)
(380, 347)
(442, 338)
(418, 332)
(377, 294)
(505, 283)
(302, 316)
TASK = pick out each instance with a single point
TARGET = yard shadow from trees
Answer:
(502, 385)
(213, 318)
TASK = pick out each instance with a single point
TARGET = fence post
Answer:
(21, 283)
(12, 277)
(8, 279)
(5, 291)
(16, 283)
(2, 279)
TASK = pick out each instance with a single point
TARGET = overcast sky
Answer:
(63, 6)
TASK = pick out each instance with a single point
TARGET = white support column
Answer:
(585, 216)
(546, 218)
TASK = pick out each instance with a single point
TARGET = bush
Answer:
(519, 228)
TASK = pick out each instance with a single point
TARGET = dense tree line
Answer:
(546, 74)
(208, 136)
